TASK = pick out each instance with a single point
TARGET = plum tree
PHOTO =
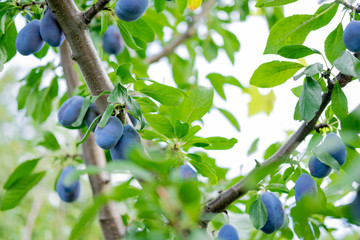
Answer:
(130, 10)
(129, 138)
(70, 192)
(70, 110)
(29, 40)
(336, 148)
(275, 213)
(112, 40)
(351, 36)
(186, 172)
(305, 186)
(90, 115)
(109, 136)
(228, 232)
(50, 29)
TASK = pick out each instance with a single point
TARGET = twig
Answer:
(250, 181)
(34, 212)
(109, 217)
(349, 6)
(190, 32)
(97, 7)
(33, 3)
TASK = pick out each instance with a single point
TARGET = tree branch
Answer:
(190, 32)
(349, 6)
(109, 217)
(97, 7)
(251, 181)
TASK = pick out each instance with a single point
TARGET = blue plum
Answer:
(351, 36)
(112, 40)
(50, 29)
(228, 232)
(70, 110)
(305, 185)
(129, 138)
(29, 40)
(130, 10)
(336, 148)
(67, 193)
(186, 172)
(91, 114)
(109, 136)
(275, 213)
(355, 207)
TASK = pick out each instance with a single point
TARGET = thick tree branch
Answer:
(190, 32)
(109, 217)
(97, 7)
(251, 181)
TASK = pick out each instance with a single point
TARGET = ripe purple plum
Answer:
(112, 40)
(275, 213)
(70, 110)
(129, 138)
(50, 29)
(351, 36)
(110, 135)
(67, 193)
(130, 10)
(305, 186)
(29, 40)
(228, 232)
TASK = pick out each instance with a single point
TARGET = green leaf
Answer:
(277, 187)
(296, 51)
(159, 5)
(310, 71)
(18, 190)
(147, 105)
(42, 53)
(258, 213)
(253, 147)
(49, 141)
(326, 158)
(119, 94)
(107, 114)
(87, 216)
(220, 143)
(124, 72)
(124, 191)
(230, 117)
(161, 124)
(339, 102)
(181, 129)
(310, 99)
(164, 94)
(197, 104)
(271, 150)
(348, 64)
(274, 73)
(297, 91)
(272, 3)
(84, 107)
(182, 70)
(293, 30)
(218, 81)
(260, 103)
(88, 131)
(7, 40)
(139, 29)
(181, 4)
(334, 44)
(21, 171)
(126, 35)
(231, 43)
(203, 167)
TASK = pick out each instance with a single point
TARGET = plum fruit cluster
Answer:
(112, 40)
(33, 36)
(336, 148)
(228, 232)
(130, 10)
(67, 192)
(351, 36)
(114, 135)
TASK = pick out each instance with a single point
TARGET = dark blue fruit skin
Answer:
(90, 115)
(355, 206)
(128, 139)
(351, 36)
(186, 172)
(69, 111)
(112, 40)
(109, 136)
(28, 40)
(67, 193)
(275, 212)
(228, 232)
(50, 30)
(305, 185)
(336, 148)
(130, 10)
